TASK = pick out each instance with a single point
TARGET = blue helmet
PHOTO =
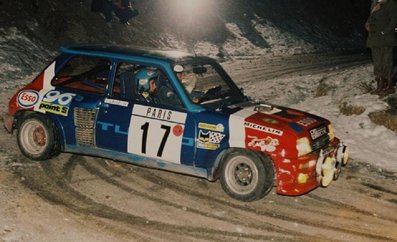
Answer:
(143, 77)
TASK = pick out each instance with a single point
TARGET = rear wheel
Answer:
(37, 137)
(246, 175)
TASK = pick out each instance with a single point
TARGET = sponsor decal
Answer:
(177, 130)
(54, 108)
(212, 127)
(209, 140)
(28, 98)
(159, 114)
(263, 128)
(318, 132)
(116, 102)
(56, 102)
(57, 97)
(307, 121)
(266, 144)
(104, 126)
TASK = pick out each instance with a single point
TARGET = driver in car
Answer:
(154, 90)
(188, 80)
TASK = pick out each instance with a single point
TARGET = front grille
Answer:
(84, 120)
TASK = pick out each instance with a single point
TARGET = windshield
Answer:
(208, 84)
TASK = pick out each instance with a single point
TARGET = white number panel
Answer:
(156, 133)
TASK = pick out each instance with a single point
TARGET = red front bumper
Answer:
(301, 175)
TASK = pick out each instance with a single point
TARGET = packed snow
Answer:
(369, 143)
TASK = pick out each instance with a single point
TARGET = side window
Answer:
(83, 73)
(123, 86)
(144, 84)
(202, 82)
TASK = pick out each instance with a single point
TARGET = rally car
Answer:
(174, 111)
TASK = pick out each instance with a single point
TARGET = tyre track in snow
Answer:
(61, 191)
(215, 202)
(280, 217)
(260, 69)
(164, 202)
(285, 217)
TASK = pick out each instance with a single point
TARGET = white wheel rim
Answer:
(33, 137)
(241, 175)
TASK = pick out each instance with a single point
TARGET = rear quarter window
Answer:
(83, 73)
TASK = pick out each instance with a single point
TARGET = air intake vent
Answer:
(84, 120)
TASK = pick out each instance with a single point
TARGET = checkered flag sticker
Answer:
(215, 137)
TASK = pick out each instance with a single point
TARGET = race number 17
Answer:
(145, 130)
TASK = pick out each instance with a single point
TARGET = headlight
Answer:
(331, 132)
(303, 146)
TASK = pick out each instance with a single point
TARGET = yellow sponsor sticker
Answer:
(212, 127)
(54, 108)
(207, 146)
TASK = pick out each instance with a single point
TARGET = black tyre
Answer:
(246, 175)
(37, 137)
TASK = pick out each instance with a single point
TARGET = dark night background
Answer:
(336, 24)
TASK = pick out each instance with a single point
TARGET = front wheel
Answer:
(37, 138)
(246, 175)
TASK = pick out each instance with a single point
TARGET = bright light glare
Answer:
(192, 8)
(190, 4)
(174, 53)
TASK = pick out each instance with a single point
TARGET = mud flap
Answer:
(328, 171)
(342, 157)
(342, 154)
(325, 169)
(337, 169)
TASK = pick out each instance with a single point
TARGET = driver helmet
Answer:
(143, 77)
